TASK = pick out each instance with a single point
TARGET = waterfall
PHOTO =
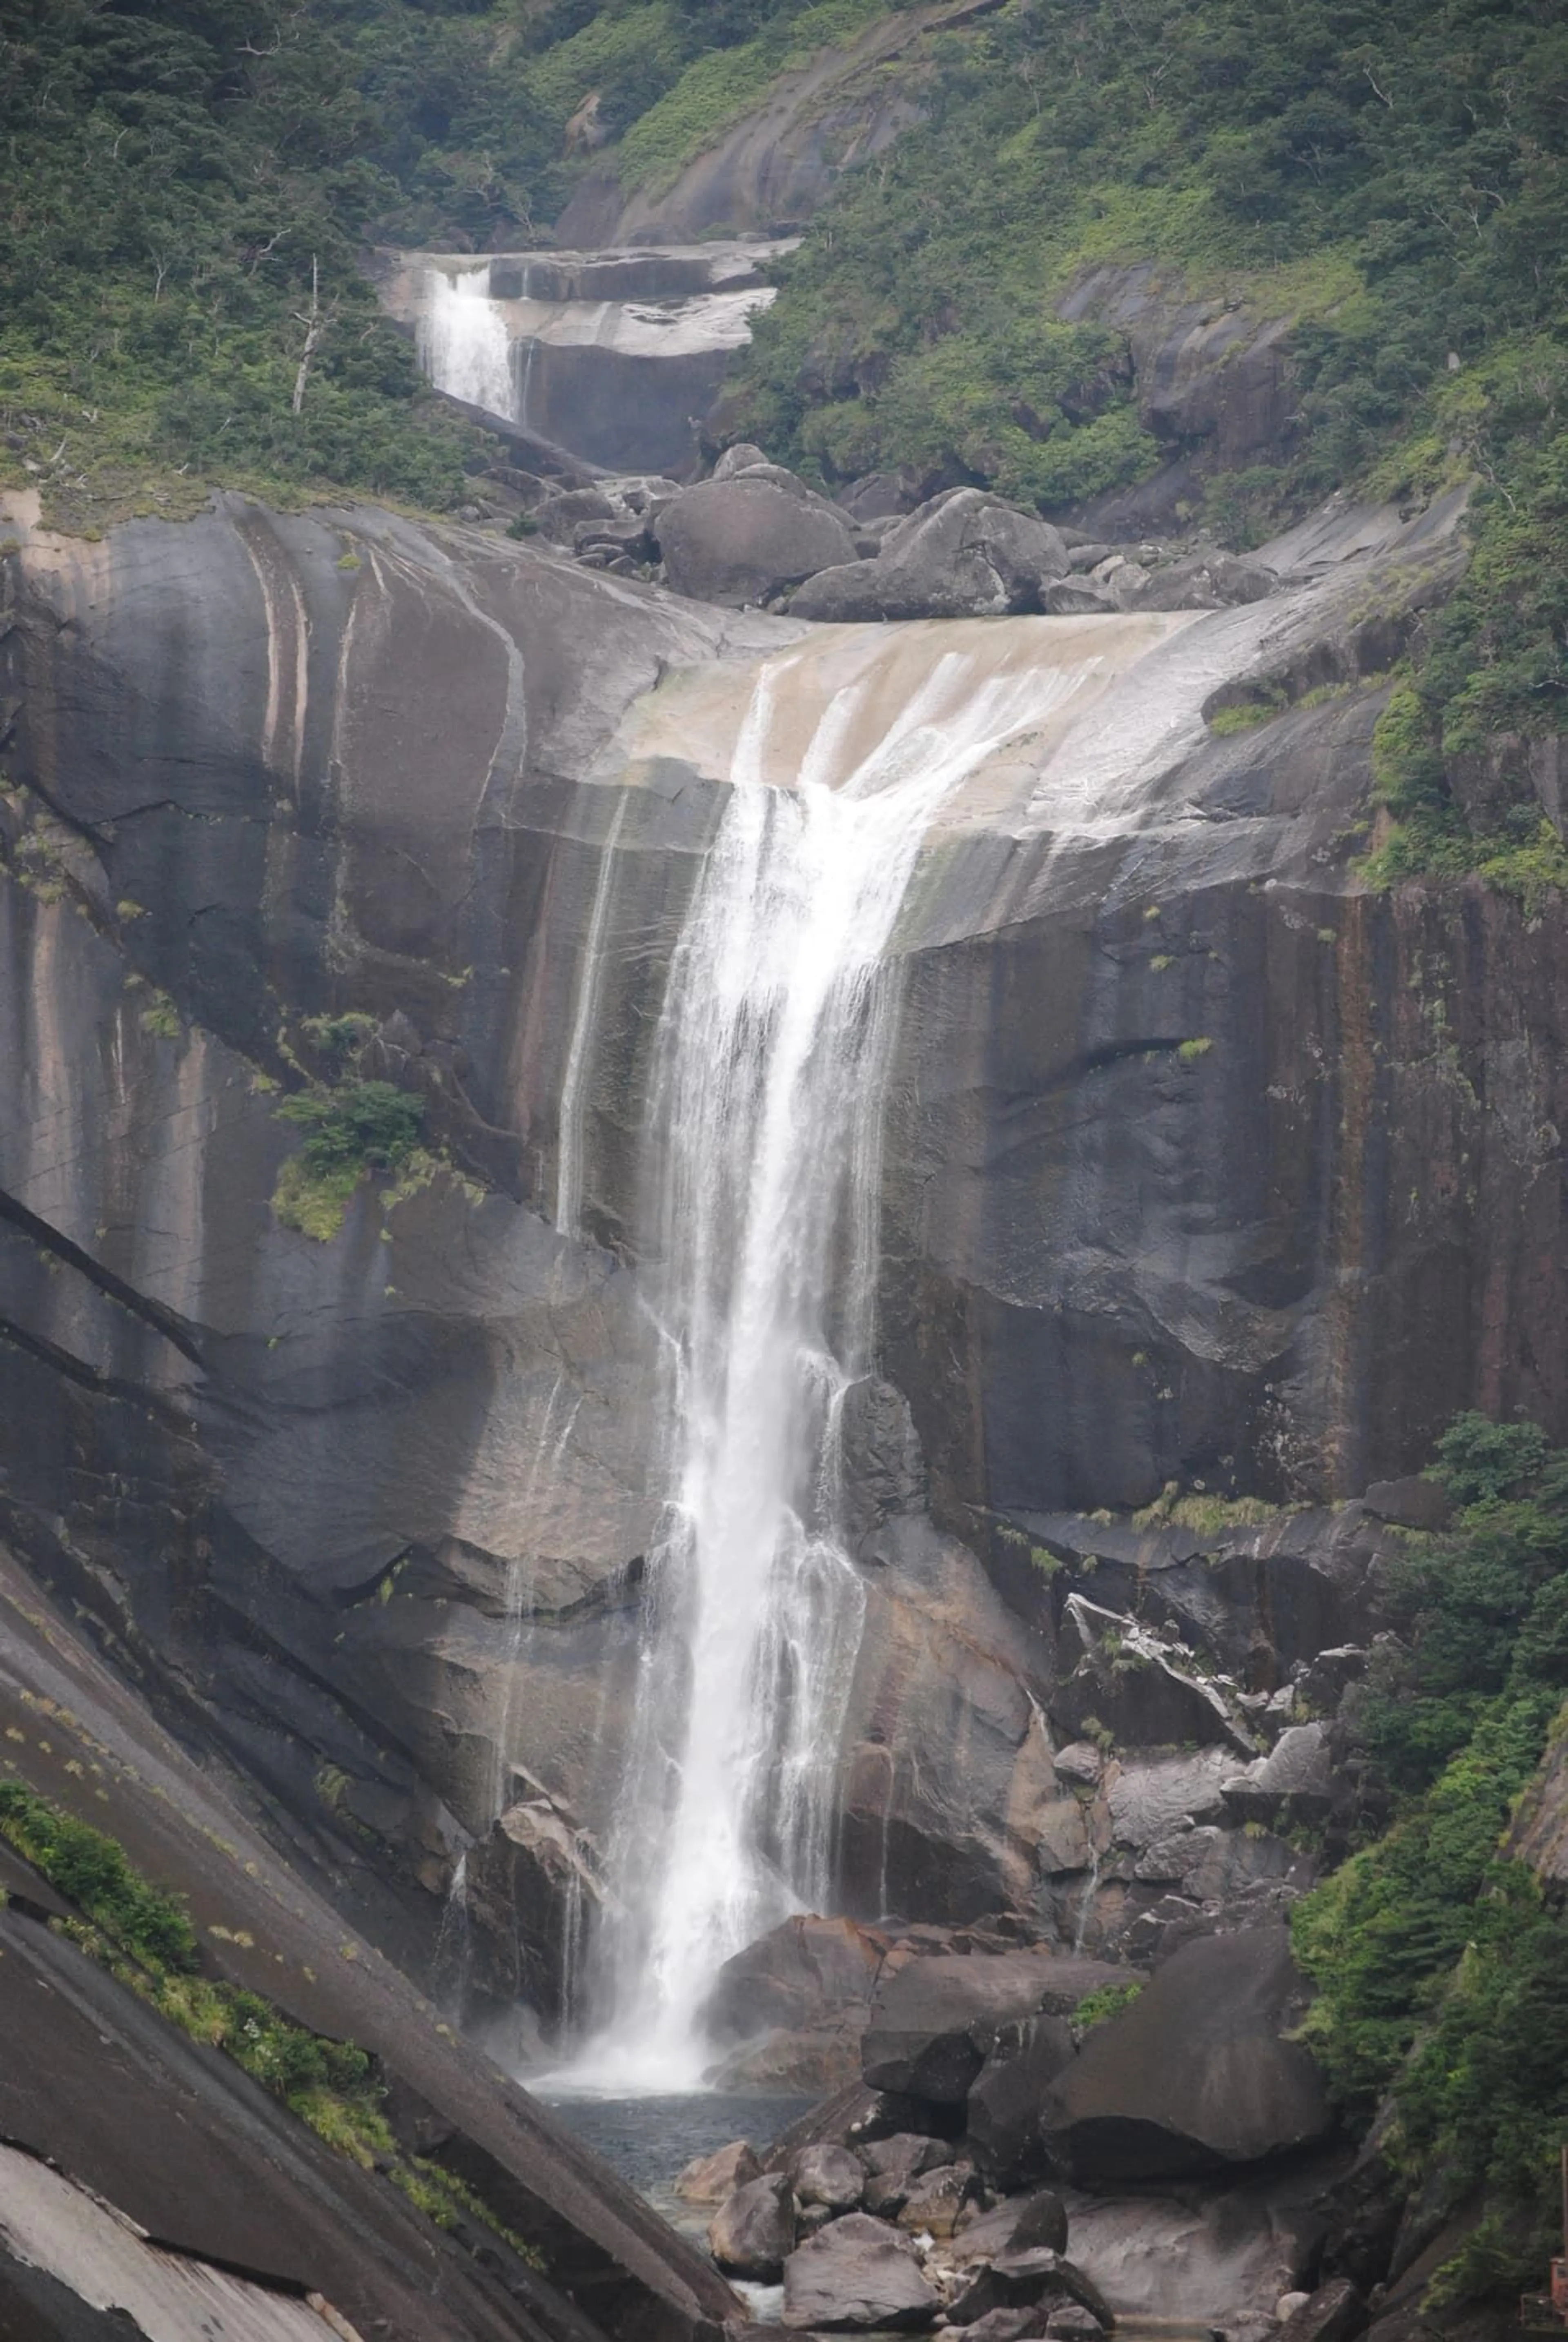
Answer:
(584, 1023)
(761, 1170)
(463, 345)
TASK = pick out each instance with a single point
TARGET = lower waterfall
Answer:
(761, 1174)
(463, 345)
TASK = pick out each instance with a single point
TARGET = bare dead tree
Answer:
(316, 321)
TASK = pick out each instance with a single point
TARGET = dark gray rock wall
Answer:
(1201, 1165)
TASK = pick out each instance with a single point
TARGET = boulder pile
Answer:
(755, 535)
(1007, 2093)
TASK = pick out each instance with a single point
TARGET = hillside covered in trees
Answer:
(190, 191)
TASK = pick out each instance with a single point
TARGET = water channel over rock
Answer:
(762, 1173)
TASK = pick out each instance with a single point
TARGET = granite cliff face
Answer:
(1202, 1166)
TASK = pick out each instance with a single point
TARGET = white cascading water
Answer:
(763, 1140)
(464, 346)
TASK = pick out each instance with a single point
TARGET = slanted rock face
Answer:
(1216, 2256)
(1196, 2073)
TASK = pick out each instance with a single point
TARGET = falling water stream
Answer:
(463, 345)
(762, 1143)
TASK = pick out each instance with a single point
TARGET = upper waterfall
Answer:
(762, 1175)
(607, 355)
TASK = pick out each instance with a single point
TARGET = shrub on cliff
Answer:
(351, 1128)
(1442, 1969)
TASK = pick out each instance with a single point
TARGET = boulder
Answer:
(857, 2273)
(1070, 2323)
(1218, 2256)
(1042, 2220)
(1072, 598)
(828, 2175)
(933, 2020)
(935, 2203)
(1335, 2313)
(795, 1977)
(1016, 2281)
(1207, 581)
(752, 2232)
(895, 2166)
(1322, 1683)
(742, 458)
(560, 517)
(1018, 2224)
(740, 540)
(1196, 2073)
(1293, 1783)
(1011, 2325)
(713, 2178)
(1413, 1503)
(1007, 2095)
(881, 496)
(1080, 1763)
(1141, 1688)
(966, 554)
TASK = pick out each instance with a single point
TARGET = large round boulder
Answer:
(966, 554)
(828, 2176)
(713, 2178)
(856, 2274)
(748, 537)
(751, 2234)
(1197, 2074)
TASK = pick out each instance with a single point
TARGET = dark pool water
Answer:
(650, 2141)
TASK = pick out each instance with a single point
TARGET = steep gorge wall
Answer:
(275, 767)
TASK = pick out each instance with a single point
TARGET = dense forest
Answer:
(189, 189)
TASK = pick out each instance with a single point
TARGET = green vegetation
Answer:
(1203, 1512)
(1441, 1971)
(191, 188)
(1099, 2006)
(145, 1939)
(351, 1128)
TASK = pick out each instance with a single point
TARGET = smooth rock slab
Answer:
(857, 2274)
